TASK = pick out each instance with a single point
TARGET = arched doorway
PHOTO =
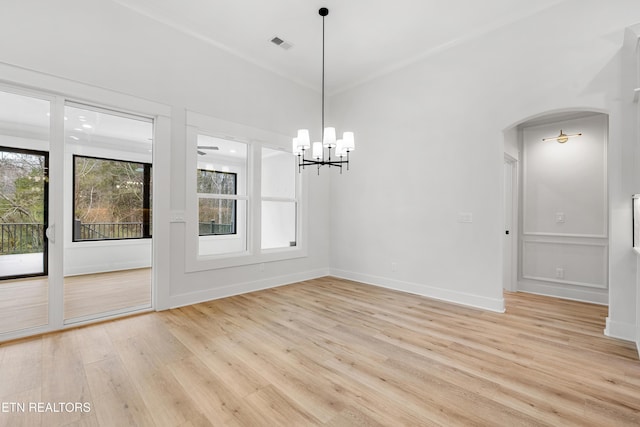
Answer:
(559, 226)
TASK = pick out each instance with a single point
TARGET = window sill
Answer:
(214, 262)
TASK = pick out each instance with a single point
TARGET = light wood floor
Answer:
(24, 302)
(90, 294)
(335, 353)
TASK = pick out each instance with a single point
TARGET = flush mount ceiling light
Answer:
(562, 138)
(321, 151)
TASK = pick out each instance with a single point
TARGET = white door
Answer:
(508, 238)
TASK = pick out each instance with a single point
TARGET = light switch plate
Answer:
(177, 216)
(465, 217)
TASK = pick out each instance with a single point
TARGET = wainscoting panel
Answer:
(581, 264)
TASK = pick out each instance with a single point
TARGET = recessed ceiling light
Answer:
(82, 118)
(87, 126)
(232, 151)
(66, 118)
(77, 129)
(75, 138)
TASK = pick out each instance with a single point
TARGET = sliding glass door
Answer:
(75, 213)
(24, 184)
(108, 156)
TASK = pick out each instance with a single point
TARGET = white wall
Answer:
(567, 256)
(630, 84)
(430, 145)
(106, 45)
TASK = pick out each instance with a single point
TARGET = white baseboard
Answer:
(242, 288)
(104, 268)
(621, 330)
(477, 301)
(591, 295)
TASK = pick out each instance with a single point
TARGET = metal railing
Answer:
(21, 238)
(107, 230)
(213, 228)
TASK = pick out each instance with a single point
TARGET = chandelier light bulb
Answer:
(297, 148)
(349, 141)
(340, 152)
(304, 142)
(317, 150)
(329, 140)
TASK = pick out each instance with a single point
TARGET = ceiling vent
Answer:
(281, 43)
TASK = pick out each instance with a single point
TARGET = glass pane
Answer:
(24, 143)
(217, 216)
(278, 224)
(108, 179)
(278, 174)
(25, 122)
(110, 199)
(108, 133)
(222, 226)
(22, 212)
(222, 156)
(215, 182)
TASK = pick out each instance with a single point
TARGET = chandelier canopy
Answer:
(321, 151)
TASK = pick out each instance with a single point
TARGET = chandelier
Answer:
(321, 151)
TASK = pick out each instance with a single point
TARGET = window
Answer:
(221, 195)
(111, 199)
(279, 202)
(265, 209)
(217, 216)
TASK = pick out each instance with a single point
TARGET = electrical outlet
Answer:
(559, 273)
(559, 217)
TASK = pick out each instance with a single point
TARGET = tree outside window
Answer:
(112, 199)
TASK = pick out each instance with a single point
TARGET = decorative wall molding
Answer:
(585, 236)
(571, 292)
(526, 230)
(604, 265)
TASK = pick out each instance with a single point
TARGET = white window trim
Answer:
(255, 139)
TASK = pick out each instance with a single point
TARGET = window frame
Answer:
(217, 196)
(199, 124)
(147, 224)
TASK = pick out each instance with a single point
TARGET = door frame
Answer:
(45, 240)
(512, 286)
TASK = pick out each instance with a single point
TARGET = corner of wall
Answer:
(621, 330)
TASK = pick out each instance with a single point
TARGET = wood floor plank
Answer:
(116, 401)
(333, 352)
(63, 377)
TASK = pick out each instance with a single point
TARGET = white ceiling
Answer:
(364, 38)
